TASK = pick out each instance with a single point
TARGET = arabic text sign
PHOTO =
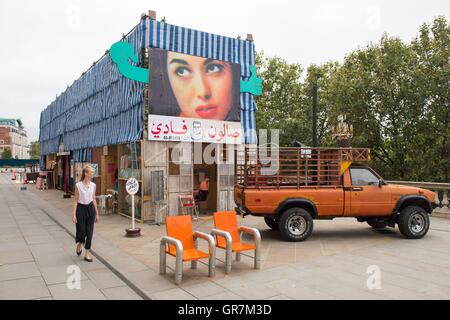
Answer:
(132, 186)
(163, 128)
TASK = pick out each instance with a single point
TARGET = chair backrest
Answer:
(226, 221)
(180, 228)
(187, 200)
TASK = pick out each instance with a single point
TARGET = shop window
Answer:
(130, 161)
(129, 158)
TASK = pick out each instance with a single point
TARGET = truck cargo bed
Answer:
(267, 168)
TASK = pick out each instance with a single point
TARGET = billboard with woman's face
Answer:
(198, 96)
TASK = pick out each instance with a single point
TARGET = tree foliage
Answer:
(6, 154)
(35, 148)
(395, 94)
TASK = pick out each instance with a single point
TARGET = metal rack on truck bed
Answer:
(261, 167)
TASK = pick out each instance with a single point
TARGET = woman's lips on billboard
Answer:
(207, 111)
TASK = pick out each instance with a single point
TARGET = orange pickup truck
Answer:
(290, 187)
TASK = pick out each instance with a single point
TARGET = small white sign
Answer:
(132, 186)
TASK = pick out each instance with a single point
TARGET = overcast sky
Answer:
(45, 45)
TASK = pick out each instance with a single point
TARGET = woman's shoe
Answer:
(88, 259)
(79, 252)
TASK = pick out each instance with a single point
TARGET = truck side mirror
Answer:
(380, 183)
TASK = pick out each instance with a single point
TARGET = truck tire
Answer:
(271, 222)
(377, 223)
(295, 224)
(413, 222)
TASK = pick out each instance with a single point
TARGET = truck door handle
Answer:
(357, 189)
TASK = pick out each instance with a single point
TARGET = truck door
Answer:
(366, 196)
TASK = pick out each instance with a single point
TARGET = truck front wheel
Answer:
(271, 223)
(295, 224)
(413, 222)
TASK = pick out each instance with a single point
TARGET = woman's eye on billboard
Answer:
(194, 87)
(215, 68)
(182, 72)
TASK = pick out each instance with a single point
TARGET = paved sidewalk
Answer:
(332, 264)
(35, 253)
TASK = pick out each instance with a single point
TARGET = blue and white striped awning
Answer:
(102, 107)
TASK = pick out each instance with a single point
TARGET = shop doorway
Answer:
(63, 170)
(205, 177)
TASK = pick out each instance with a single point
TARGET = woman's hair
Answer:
(83, 172)
(162, 100)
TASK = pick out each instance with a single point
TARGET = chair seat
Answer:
(239, 246)
(189, 254)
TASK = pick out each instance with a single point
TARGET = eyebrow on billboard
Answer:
(181, 61)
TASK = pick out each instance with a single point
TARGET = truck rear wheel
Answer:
(295, 224)
(271, 222)
(377, 223)
(413, 222)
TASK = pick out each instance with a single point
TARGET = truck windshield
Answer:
(363, 177)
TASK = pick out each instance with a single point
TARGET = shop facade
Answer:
(108, 120)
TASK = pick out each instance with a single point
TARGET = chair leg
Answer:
(228, 259)
(194, 262)
(238, 256)
(162, 259)
(257, 258)
(178, 269)
(196, 211)
(212, 263)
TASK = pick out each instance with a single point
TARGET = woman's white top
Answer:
(85, 194)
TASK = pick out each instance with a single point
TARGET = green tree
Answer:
(432, 80)
(6, 154)
(395, 94)
(280, 106)
(373, 88)
(321, 75)
(397, 97)
(35, 148)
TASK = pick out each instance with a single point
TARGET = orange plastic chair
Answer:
(228, 237)
(181, 243)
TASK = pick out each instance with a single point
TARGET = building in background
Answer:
(13, 137)
(126, 128)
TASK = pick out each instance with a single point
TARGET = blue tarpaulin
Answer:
(103, 108)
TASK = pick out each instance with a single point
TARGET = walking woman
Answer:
(85, 212)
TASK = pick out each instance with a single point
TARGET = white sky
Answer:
(45, 45)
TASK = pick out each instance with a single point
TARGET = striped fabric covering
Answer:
(102, 107)
(188, 41)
